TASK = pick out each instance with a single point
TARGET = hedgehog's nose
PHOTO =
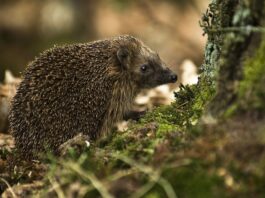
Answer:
(173, 78)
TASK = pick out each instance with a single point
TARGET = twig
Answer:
(183, 104)
(57, 187)
(247, 29)
(143, 190)
(154, 175)
(93, 179)
(183, 162)
(9, 188)
(167, 187)
(121, 174)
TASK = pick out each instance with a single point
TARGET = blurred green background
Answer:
(28, 27)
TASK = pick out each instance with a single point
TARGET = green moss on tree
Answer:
(251, 88)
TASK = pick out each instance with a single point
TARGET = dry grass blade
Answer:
(57, 188)
(154, 175)
(92, 178)
(9, 188)
(122, 173)
(167, 187)
(143, 190)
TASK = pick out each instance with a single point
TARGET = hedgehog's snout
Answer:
(173, 78)
(168, 76)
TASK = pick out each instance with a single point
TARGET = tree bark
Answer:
(234, 31)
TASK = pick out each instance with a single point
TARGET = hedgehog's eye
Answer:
(144, 68)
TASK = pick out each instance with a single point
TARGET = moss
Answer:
(195, 181)
(234, 42)
(185, 111)
(251, 92)
(251, 89)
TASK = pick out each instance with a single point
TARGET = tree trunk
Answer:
(234, 31)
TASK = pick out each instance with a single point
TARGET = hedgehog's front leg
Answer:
(134, 115)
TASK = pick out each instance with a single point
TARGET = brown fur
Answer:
(80, 88)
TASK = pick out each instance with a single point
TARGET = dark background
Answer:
(27, 27)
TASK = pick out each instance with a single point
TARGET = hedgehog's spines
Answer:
(79, 88)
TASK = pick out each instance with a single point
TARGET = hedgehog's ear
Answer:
(123, 56)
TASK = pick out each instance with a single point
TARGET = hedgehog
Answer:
(81, 89)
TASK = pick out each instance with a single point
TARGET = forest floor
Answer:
(224, 159)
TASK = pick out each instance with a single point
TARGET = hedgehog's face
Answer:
(148, 71)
